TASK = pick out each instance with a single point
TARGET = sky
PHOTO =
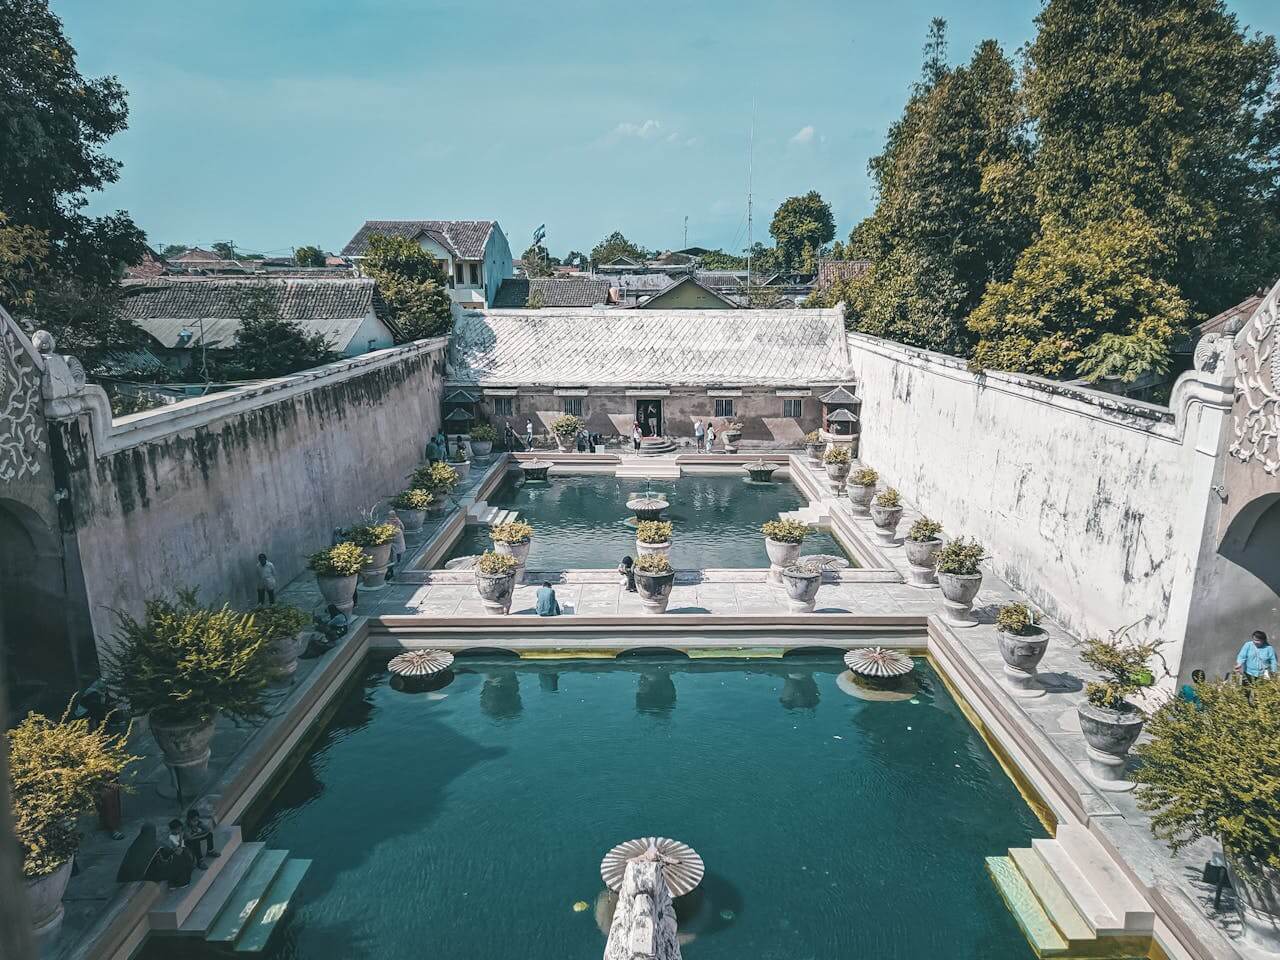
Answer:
(278, 123)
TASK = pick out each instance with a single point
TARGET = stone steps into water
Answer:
(814, 515)
(1053, 898)
(1043, 936)
(272, 907)
(211, 904)
(1105, 877)
(657, 469)
(178, 904)
(243, 901)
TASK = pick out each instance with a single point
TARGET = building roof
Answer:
(655, 302)
(834, 271)
(566, 348)
(165, 306)
(838, 395)
(640, 283)
(1231, 320)
(465, 239)
(556, 291)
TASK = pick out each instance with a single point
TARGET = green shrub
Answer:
(889, 499)
(864, 477)
(484, 432)
(1015, 618)
(439, 479)
(567, 425)
(654, 564)
(513, 531)
(55, 770)
(279, 621)
(924, 529)
(804, 568)
(1215, 771)
(785, 531)
(370, 534)
(497, 564)
(343, 560)
(960, 557)
(412, 499)
(837, 454)
(654, 531)
(813, 436)
(1123, 666)
(186, 662)
(458, 454)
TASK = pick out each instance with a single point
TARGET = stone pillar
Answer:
(644, 923)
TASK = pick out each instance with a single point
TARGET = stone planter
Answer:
(482, 448)
(886, 521)
(44, 901)
(1109, 734)
(186, 751)
(958, 592)
(374, 576)
(860, 497)
(1022, 653)
(1257, 889)
(412, 519)
(495, 591)
(518, 550)
(564, 444)
(780, 555)
(655, 590)
(922, 555)
(643, 549)
(439, 504)
(802, 588)
(814, 451)
(340, 591)
(730, 441)
(283, 655)
(463, 468)
(836, 474)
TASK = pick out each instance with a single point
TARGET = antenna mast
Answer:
(751, 143)
(686, 231)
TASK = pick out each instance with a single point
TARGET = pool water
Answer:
(468, 822)
(580, 522)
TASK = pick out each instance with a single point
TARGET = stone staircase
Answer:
(481, 513)
(664, 468)
(815, 515)
(239, 900)
(1072, 900)
(656, 446)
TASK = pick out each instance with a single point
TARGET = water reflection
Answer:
(549, 681)
(655, 691)
(500, 695)
(427, 684)
(711, 907)
(799, 692)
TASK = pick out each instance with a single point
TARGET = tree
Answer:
(719, 260)
(616, 245)
(537, 262)
(174, 249)
(226, 249)
(267, 345)
(801, 225)
(575, 258)
(309, 256)
(413, 285)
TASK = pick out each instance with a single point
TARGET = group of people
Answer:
(184, 849)
(704, 438)
(1255, 662)
(548, 605)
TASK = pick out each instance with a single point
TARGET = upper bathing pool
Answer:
(582, 521)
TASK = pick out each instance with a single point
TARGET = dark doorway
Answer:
(649, 416)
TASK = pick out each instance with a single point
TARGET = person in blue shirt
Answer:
(547, 604)
(1257, 658)
(1188, 691)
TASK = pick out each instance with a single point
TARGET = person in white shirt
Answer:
(698, 433)
(528, 434)
(711, 437)
(266, 580)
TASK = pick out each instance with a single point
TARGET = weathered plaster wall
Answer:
(189, 495)
(1094, 506)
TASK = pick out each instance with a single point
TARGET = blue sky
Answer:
(276, 123)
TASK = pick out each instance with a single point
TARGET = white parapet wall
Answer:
(1093, 505)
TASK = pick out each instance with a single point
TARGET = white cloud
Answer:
(644, 131)
(803, 135)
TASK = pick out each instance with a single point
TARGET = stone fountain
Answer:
(535, 469)
(648, 505)
(761, 471)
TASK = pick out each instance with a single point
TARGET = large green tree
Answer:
(537, 261)
(309, 256)
(413, 285)
(801, 226)
(268, 345)
(615, 245)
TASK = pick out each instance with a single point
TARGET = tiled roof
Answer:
(1232, 319)
(634, 347)
(640, 282)
(333, 306)
(556, 291)
(463, 238)
(655, 302)
(838, 395)
(833, 271)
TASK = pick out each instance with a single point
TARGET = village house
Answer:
(515, 292)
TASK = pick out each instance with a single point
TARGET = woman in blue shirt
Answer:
(1257, 658)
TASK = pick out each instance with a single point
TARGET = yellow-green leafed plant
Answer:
(497, 564)
(1123, 666)
(484, 432)
(567, 425)
(1214, 770)
(960, 557)
(864, 477)
(654, 531)
(813, 437)
(279, 621)
(513, 531)
(654, 564)
(924, 529)
(836, 454)
(186, 662)
(1015, 618)
(412, 499)
(55, 770)
(439, 478)
(370, 534)
(785, 531)
(342, 560)
(889, 498)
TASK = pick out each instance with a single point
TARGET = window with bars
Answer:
(792, 407)
(504, 406)
(724, 406)
(573, 406)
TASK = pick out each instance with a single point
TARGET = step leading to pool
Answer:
(657, 469)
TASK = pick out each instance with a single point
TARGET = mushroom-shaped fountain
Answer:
(417, 670)
(761, 471)
(535, 469)
(681, 864)
(648, 505)
(878, 674)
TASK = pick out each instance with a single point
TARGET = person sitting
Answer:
(198, 836)
(176, 856)
(627, 570)
(1188, 690)
(547, 605)
(1257, 659)
(330, 627)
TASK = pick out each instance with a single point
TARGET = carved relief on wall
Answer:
(1257, 400)
(21, 427)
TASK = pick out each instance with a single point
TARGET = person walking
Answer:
(266, 580)
(699, 432)
(528, 434)
(711, 437)
(547, 605)
(1257, 659)
(635, 436)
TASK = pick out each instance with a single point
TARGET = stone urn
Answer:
(518, 550)
(185, 745)
(1022, 653)
(730, 440)
(642, 549)
(886, 520)
(780, 555)
(283, 653)
(463, 468)
(860, 496)
(1257, 890)
(339, 591)
(654, 590)
(836, 474)
(44, 901)
(760, 471)
(496, 590)
(958, 591)
(564, 443)
(921, 557)
(438, 505)
(1108, 735)
(374, 576)
(814, 451)
(801, 581)
(482, 448)
(412, 519)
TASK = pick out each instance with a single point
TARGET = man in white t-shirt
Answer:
(266, 580)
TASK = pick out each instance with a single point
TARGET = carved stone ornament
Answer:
(1256, 424)
(22, 435)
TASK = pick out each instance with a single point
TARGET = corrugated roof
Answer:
(633, 347)
(556, 291)
(463, 238)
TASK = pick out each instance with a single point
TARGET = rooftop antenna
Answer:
(751, 143)
(686, 231)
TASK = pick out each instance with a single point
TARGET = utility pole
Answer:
(751, 143)
(686, 232)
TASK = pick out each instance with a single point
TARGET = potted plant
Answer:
(565, 429)
(730, 435)
(336, 570)
(55, 772)
(922, 545)
(654, 580)
(438, 479)
(801, 581)
(282, 626)
(1109, 722)
(862, 488)
(483, 437)
(1022, 646)
(886, 511)
(782, 540)
(496, 581)
(375, 540)
(959, 577)
(813, 446)
(459, 462)
(182, 666)
(1208, 770)
(837, 463)
(653, 536)
(411, 507)
(512, 538)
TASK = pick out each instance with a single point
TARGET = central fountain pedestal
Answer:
(648, 506)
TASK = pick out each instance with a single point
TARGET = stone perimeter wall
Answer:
(1094, 506)
(191, 493)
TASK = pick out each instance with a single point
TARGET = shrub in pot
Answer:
(282, 626)
(782, 541)
(496, 581)
(959, 577)
(814, 446)
(565, 429)
(922, 545)
(1209, 770)
(1109, 722)
(182, 666)
(886, 512)
(730, 434)
(802, 581)
(483, 437)
(56, 769)
(459, 462)
(336, 570)
(514, 539)
(1022, 646)
(862, 488)
(411, 506)
(837, 462)
(654, 580)
(375, 540)
(438, 479)
(653, 536)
